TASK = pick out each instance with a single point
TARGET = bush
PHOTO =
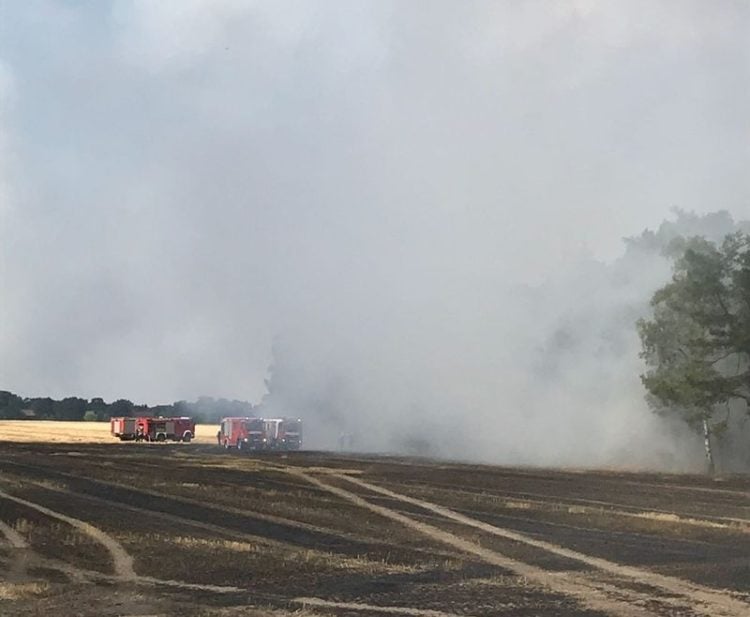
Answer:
(90, 416)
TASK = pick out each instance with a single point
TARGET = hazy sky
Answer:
(182, 181)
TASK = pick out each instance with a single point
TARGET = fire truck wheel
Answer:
(161, 437)
(187, 437)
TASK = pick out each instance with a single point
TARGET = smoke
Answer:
(414, 212)
(551, 378)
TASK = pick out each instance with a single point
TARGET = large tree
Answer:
(697, 342)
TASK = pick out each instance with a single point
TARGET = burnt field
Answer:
(130, 529)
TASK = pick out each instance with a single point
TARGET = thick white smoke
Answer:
(552, 377)
(401, 195)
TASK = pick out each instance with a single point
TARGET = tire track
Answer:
(708, 601)
(586, 592)
(564, 526)
(281, 529)
(218, 530)
(82, 574)
(81, 487)
(21, 553)
(122, 561)
(15, 539)
(557, 475)
(373, 608)
(543, 502)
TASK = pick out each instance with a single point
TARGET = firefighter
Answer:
(218, 437)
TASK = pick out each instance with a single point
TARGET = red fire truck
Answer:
(284, 433)
(124, 428)
(243, 433)
(144, 428)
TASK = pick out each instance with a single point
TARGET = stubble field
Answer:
(105, 529)
(42, 431)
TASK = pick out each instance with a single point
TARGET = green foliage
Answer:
(72, 408)
(11, 405)
(121, 407)
(90, 416)
(697, 343)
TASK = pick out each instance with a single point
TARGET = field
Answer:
(77, 432)
(102, 529)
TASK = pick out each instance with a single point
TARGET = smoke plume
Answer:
(412, 211)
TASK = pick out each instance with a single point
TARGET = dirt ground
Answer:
(105, 529)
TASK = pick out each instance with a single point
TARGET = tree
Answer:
(697, 343)
(70, 408)
(43, 407)
(121, 407)
(98, 405)
(10, 405)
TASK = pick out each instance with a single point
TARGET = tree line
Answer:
(204, 409)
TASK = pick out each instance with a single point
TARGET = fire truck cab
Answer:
(290, 434)
(284, 433)
(243, 433)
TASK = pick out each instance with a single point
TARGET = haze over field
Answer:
(414, 210)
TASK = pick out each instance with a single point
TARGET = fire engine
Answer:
(146, 428)
(247, 433)
(243, 433)
(284, 433)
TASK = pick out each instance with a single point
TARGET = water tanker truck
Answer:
(146, 428)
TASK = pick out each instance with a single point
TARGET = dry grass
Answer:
(23, 526)
(310, 558)
(256, 612)
(22, 591)
(734, 524)
(237, 463)
(50, 431)
(226, 545)
(670, 519)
